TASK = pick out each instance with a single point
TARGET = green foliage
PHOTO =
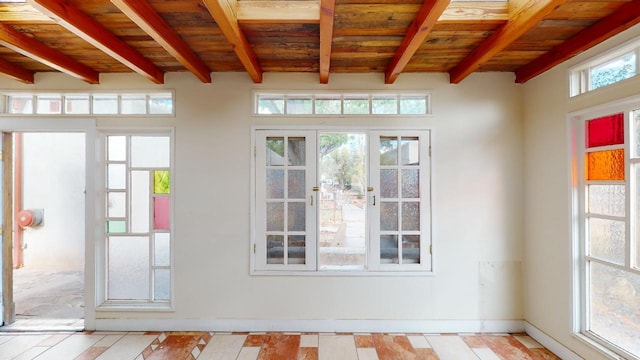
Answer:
(161, 182)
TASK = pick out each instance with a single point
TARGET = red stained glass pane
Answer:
(608, 130)
(605, 165)
(161, 213)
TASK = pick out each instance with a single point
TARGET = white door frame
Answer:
(88, 127)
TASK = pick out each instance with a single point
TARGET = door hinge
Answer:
(254, 248)
(431, 249)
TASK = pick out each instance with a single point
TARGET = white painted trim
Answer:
(550, 343)
(332, 325)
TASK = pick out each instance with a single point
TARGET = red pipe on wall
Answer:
(17, 201)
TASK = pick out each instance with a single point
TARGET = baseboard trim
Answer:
(369, 326)
(550, 343)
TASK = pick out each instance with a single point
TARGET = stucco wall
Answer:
(477, 202)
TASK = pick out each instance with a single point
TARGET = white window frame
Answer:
(102, 301)
(374, 268)
(579, 217)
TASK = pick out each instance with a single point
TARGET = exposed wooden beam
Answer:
(475, 11)
(625, 17)
(249, 11)
(15, 13)
(16, 72)
(21, 43)
(145, 16)
(326, 37)
(416, 34)
(91, 31)
(525, 17)
(224, 13)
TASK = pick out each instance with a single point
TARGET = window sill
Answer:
(345, 273)
(585, 339)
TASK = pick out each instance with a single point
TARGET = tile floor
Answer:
(241, 346)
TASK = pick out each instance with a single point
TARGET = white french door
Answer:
(342, 201)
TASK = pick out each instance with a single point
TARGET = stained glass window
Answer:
(608, 130)
(605, 165)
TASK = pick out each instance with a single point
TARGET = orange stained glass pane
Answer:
(605, 165)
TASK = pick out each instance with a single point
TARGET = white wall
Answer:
(53, 180)
(548, 261)
(477, 203)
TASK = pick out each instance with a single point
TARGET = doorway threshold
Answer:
(41, 325)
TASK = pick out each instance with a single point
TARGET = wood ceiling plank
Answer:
(16, 72)
(416, 34)
(475, 11)
(141, 13)
(21, 43)
(625, 17)
(224, 14)
(249, 11)
(91, 31)
(525, 18)
(327, 8)
(15, 13)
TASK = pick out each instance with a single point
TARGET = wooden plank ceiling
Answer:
(85, 38)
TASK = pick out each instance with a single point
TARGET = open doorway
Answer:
(49, 230)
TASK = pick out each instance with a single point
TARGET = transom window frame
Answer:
(579, 212)
(580, 75)
(383, 271)
(368, 96)
(103, 304)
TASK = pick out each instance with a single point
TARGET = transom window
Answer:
(338, 201)
(608, 173)
(137, 228)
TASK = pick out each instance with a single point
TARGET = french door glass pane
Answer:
(410, 216)
(410, 151)
(275, 249)
(614, 311)
(296, 185)
(297, 149)
(410, 183)
(606, 200)
(296, 216)
(275, 216)
(275, 151)
(296, 249)
(342, 200)
(389, 249)
(275, 184)
(389, 183)
(410, 249)
(388, 150)
(389, 216)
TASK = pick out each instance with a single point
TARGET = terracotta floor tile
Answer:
(364, 341)
(280, 346)
(255, 340)
(391, 347)
(543, 354)
(427, 354)
(310, 353)
(473, 342)
(175, 347)
(507, 347)
(91, 353)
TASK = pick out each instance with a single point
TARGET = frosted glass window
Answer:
(607, 240)
(128, 268)
(105, 104)
(162, 249)
(140, 211)
(300, 106)
(161, 213)
(296, 184)
(116, 204)
(606, 200)
(275, 216)
(150, 151)
(356, 105)
(384, 105)
(275, 184)
(411, 216)
(161, 182)
(161, 104)
(605, 165)
(614, 306)
(161, 284)
(133, 104)
(21, 105)
(388, 216)
(76, 104)
(296, 213)
(49, 104)
(410, 183)
(116, 176)
(117, 148)
(116, 227)
(389, 183)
